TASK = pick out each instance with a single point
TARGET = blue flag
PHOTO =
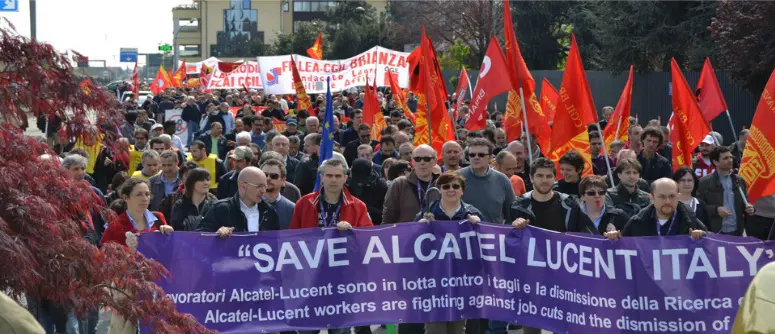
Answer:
(327, 143)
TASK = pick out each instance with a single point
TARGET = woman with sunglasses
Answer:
(687, 189)
(196, 199)
(451, 206)
(592, 189)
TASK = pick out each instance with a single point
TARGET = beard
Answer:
(540, 189)
(666, 210)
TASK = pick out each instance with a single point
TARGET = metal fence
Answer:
(651, 95)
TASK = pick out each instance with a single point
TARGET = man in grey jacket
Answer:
(723, 192)
(167, 181)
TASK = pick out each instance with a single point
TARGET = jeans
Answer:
(193, 127)
(330, 331)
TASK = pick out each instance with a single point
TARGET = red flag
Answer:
(398, 96)
(316, 51)
(758, 166)
(493, 80)
(460, 93)
(549, 98)
(434, 94)
(688, 125)
(161, 82)
(135, 81)
(372, 113)
(301, 92)
(620, 119)
(575, 111)
(227, 67)
(538, 123)
(179, 76)
(709, 95)
(204, 77)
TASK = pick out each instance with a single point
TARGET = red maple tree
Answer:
(43, 254)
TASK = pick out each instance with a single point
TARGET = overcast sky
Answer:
(99, 28)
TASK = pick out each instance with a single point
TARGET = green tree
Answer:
(746, 41)
(298, 42)
(457, 55)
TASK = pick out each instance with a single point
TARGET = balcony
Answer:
(183, 12)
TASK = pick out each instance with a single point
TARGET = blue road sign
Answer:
(9, 5)
(128, 55)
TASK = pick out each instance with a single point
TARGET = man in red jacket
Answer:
(332, 205)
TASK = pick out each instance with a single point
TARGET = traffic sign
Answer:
(165, 47)
(128, 55)
(9, 5)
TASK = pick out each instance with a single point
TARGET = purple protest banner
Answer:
(446, 271)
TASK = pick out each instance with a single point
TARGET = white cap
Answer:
(709, 140)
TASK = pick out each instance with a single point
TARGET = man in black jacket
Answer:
(667, 216)
(192, 115)
(627, 195)
(227, 184)
(722, 192)
(246, 211)
(654, 165)
(364, 137)
(307, 170)
(366, 184)
(215, 133)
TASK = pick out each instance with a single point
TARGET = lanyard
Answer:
(421, 192)
(323, 219)
(669, 228)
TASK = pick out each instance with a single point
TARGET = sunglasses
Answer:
(425, 159)
(273, 176)
(474, 155)
(448, 185)
(593, 193)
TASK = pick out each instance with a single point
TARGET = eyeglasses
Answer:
(273, 176)
(259, 186)
(474, 155)
(593, 193)
(449, 185)
(425, 159)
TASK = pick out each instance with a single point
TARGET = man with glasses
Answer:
(245, 211)
(406, 195)
(487, 189)
(227, 185)
(667, 216)
(275, 178)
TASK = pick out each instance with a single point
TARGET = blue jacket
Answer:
(461, 214)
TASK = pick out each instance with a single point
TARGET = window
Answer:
(285, 6)
(315, 6)
(296, 6)
(306, 6)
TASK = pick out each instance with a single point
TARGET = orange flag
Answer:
(549, 98)
(372, 113)
(758, 166)
(620, 120)
(301, 92)
(709, 95)
(687, 125)
(538, 122)
(430, 98)
(575, 111)
(161, 82)
(398, 96)
(316, 51)
(179, 76)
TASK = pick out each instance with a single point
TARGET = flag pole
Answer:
(470, 90)
(605, 151)
(734, 134)
(618, 127)
(527, 128)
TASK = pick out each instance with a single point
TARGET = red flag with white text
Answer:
(493, 80)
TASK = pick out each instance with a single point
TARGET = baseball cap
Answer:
(291, 121)
(157, 126)
(709, 140)
(242, 153)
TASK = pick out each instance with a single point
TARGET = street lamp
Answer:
(175, 44)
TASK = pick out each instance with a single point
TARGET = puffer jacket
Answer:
(575, 220)
(186, 216)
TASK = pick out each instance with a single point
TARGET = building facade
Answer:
(233, 29)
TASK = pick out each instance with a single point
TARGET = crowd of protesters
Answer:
(254, 169)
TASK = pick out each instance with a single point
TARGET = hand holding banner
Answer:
(444, 271)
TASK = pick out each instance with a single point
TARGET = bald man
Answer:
(451, 156)
(406, 195)
(245, 211)
(522, 170)
(665, 216)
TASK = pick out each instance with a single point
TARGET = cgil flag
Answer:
(493, 81)
(463, 85)
(372, 113)
(327, 142)
(709, 95)
(549, 98)
(575, 111)
(758, 165)
(179, 76)
(620, 120)
(687, 124)
(433, 125)
(301, 93)
(316, 51)
(161, 82)
(398, 96)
